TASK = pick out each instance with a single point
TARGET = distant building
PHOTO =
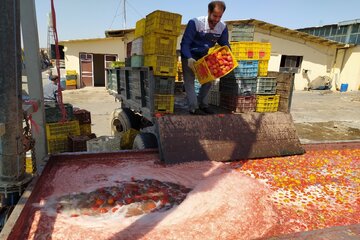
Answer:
(344, 32)
(307, 56)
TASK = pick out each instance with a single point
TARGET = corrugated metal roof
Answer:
(118, 33)
(289, 32)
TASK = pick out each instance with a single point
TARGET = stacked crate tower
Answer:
(159, 46)
(57, 130)
(247, 88)
(71, 79)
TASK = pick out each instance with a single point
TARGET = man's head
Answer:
(215, 12)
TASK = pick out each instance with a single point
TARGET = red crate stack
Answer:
(238, 104)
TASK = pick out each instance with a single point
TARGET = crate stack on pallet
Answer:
(71, 79)
(159, 45)
(78, 143)
(247, 88)
(137, 53)
(57, 131)
(69, 135)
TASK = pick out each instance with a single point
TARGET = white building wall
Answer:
(350, 72)
(317, 59)
(94, 46)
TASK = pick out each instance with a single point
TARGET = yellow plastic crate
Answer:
(163, 22)
(267, 103)
(85, 129)
(58, 145)
(71, 72)
(245, 50)
(203, 70)
(62, 130)
(70, 82)
(263, 68)
(164, 103)
(127, 138)
(160, 44)
(264, 51)
(251, 50)
(140, 28)
(28, 163)
(163, 65)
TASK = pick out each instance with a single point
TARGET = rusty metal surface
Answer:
(227, 137)
(351, 232)
(332, 146)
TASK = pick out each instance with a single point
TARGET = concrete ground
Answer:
(319, 116)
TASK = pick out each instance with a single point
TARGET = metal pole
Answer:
(34, 77)
(11, 157)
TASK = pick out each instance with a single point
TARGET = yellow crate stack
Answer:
(140, 28)
(160, 40)
(71, 79)
(57, 135)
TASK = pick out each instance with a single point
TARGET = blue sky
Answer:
(78, 19)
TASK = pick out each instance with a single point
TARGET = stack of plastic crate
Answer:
(238, 87)
(242, 32)
(84, 118)
(160, 40)
(57, 135)
(214, 94)
(253, 58)
(137, 53)
(53, 112)
(71, 79)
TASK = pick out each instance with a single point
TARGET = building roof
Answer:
(257, 23)
(118, 33)
(287, 31)
(87, 40)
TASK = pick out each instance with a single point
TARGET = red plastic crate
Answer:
(239, 104)
(78, 143)
(82, 115)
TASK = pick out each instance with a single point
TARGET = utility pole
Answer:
(124, 14)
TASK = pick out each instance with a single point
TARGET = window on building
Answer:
(355, 28)
(354, 38)
(290, 64)
(327, 31)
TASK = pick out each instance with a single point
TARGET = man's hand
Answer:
(191, 62)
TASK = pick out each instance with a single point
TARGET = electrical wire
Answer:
(136, 11)
(117, 9)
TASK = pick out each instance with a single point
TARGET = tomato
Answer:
(114, 209)
(99, 202)
(110, 201)
(128, 200)
(103, 210)
(74, 215)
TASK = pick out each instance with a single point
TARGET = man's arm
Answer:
(188, 38)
